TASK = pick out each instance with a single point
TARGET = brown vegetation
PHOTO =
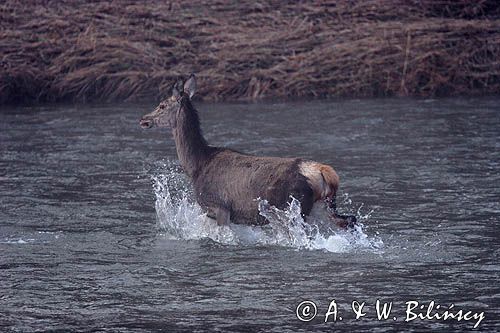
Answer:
(128, 50)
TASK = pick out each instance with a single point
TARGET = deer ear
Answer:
(177, 89)
(175, 92)
(190, 86)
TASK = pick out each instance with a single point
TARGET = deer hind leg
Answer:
(331, 179)
(324, 182)
(343, 221)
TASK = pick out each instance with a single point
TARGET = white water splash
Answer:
(180, 217)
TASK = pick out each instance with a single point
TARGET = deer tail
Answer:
(323, 180)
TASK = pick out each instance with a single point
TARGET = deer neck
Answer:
(192, 149)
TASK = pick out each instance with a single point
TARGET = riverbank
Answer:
(124, 51)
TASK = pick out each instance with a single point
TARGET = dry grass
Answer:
(127, 50)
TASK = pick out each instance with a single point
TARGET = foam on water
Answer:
(37, 237)
(180, 217)
(16, 241)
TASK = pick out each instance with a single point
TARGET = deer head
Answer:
(167, 111)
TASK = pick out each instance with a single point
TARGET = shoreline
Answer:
(72, 52)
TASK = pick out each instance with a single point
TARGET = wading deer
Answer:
(227, 183)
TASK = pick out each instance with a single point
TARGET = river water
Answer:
(99, 231)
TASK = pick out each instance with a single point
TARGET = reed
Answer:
(128, 51)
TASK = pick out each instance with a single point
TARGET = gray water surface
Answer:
(80, 248)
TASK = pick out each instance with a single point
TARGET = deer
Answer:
(227, 183)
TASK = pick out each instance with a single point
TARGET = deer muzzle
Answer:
(146, 123)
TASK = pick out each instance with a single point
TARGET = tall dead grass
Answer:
(128, 50)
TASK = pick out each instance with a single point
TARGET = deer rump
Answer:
(235, 181)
